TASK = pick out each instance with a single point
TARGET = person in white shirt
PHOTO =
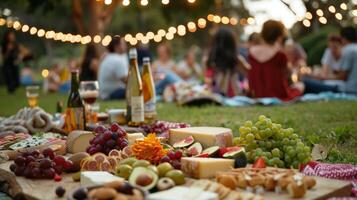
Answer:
(188, 69)
(113, 71)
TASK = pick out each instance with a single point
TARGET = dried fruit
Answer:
(149, 149)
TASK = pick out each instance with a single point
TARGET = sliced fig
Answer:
(211, 151)
(203, 155)
(184, 142)
(195, 149)
(224, 150)
(114, 152)
(234, 153)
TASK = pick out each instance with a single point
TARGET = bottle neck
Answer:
(74, 82)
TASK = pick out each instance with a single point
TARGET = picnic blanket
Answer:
(324, 96)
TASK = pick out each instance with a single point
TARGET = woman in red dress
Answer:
(268, 76)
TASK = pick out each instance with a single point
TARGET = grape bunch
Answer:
(162, 127)
(108, 139)
(174, 158)
(277, 146)
(39, 165)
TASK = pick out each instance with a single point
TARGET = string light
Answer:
(306, 23)
(250, 20)
(343, 6)
(107, 2)
(25, 28)
(143, 3)
(332, 9)
(320, 13)
(323, 20)
(201, 23)
(354, 13)
(96, 39)
(338, 16)
(165, 2)
(308, 15)
(126, 2)
(168, 34)
(191, 1)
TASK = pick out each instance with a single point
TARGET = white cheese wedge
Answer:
(180, 193)
(97, 177)
(78, 141)
(132, 137)
(207, 136)
(205, 167)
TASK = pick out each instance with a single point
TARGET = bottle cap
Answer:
(146, 59)
(133, 53)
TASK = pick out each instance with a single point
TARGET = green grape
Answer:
(292, 142)
(249, 137)
(279, 135)
(268, 155)
(285, 141)
(290, 130)
(236, 141)
(307, 149)
(301, 156)
(300, 144)
(287, 159)
(281, 164)
(265, 159)
(274, 161)
(244, 130)
(294, 136)
(295, 164)
(300, 149)
(268, 123)
(291, 153)
(248, 124)
(275, 152)
(262, 118)
(261, 143)
(268, 145)
(254, 129)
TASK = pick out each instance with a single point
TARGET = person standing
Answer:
(10, 50)
(113, 72)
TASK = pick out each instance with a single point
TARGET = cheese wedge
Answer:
(132, 137)
(78, 141)
(97, 177)
(207, 136)
(200, 168)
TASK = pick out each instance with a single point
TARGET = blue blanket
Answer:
(246, 101)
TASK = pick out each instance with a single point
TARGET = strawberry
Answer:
(259, 163)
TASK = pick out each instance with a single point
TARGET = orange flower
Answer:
(149, 149)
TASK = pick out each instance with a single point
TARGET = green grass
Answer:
(326, 122)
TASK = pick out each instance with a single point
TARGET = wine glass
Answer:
(32, 93)
(89, 91)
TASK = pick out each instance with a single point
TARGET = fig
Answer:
(184, 142)
(195, 149)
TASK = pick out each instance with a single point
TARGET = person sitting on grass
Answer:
(347, 70)
(270, 73)
(225, 66)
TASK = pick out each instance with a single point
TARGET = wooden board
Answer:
(35, 188)
(45, 189)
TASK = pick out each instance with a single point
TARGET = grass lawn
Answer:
(333, 122)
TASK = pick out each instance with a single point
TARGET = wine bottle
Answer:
(75, 112)
(134, 92)
(148, 92)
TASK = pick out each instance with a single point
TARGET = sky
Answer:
(263, 10)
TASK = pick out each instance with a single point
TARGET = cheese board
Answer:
(45, 189)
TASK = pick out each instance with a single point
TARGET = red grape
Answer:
(58, 169)
(119, 141)
(171, 155)
(13, 167)
(98, 148)
(28, 172)
(121, 134)
(115, 136)
(45, 163)
(107, 135)
(114, 127)
(59, 160)
(110, 143)
(165, 159)
(48, 153)
(49, 173)
(91, 141)
(19, 160)
(92, 150)
(123, 144)
(178, 155)
(176, 164)
(19, 170)
(30, 159)
(36, 172)
(99, 129)
(68, 164)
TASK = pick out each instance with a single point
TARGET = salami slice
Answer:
(114, 152)
(100, 157)
(113, 162)
(105, 166)
(92, 165)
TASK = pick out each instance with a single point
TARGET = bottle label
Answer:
(75, 119)
(150, 106)
(137, 108)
